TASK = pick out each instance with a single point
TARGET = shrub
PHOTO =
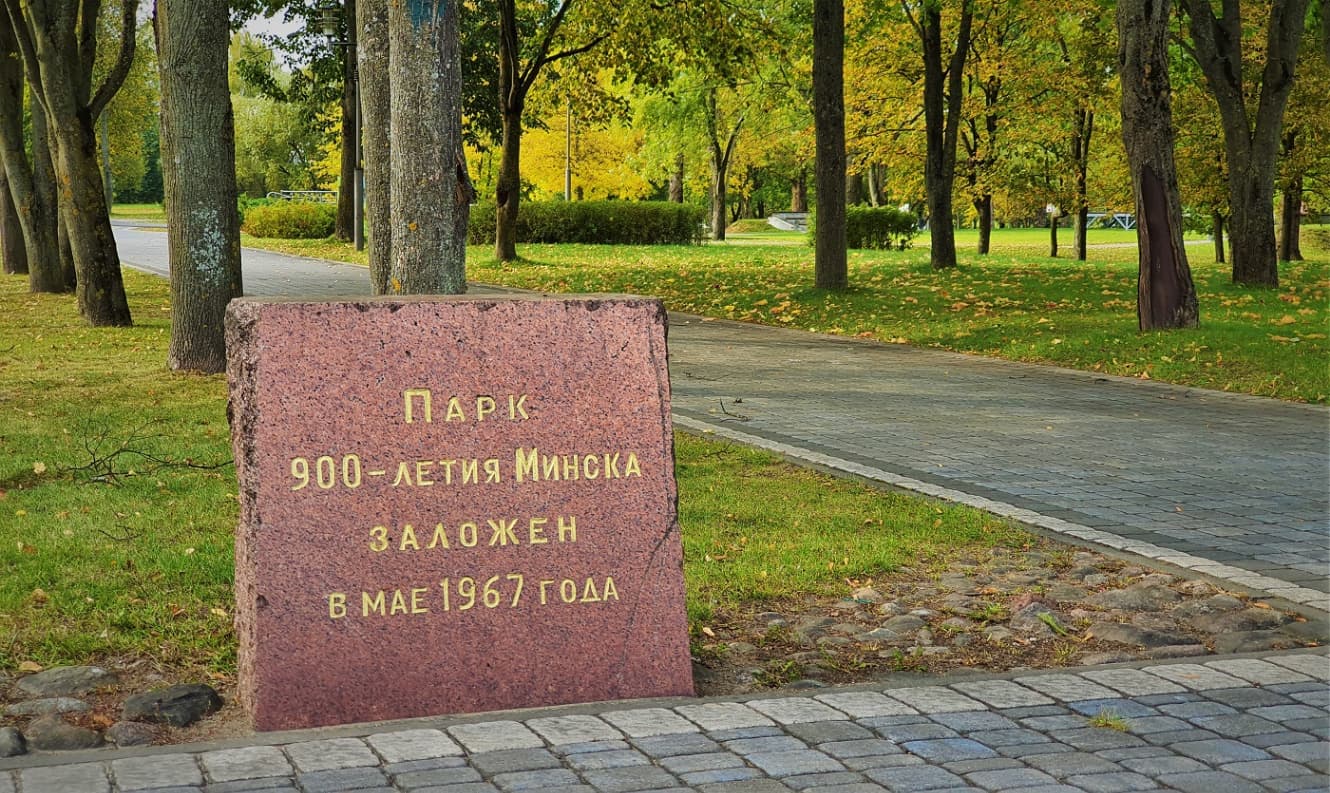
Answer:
(292, 220)
(595, 222)
(882, 228)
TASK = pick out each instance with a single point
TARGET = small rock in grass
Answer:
(1177, 651)
(741, 648)
(1253, 641)
(1252, 619)
(771, 619)
(1196, 588)
(52, 733)
(178, 706)
(998, 634)
(867, 594)
(1135, 636)
(1137, 597)
(1095, 659)
(12, 743)
(46, 706)
(64, 681)
(1032, 620)
(905, 623)
(1097, 579)
(131, 733)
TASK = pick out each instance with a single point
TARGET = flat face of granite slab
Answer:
(453, 505)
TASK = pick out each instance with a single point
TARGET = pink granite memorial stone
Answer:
(453, 505)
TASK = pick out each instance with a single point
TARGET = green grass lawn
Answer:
(118, 503)
(138, 212)
(1015, 303)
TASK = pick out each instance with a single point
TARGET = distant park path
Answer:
(1231, 486)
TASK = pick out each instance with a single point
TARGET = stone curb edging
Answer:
(1303, 596)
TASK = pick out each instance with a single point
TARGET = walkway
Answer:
(1226, 726)
(1229, 486)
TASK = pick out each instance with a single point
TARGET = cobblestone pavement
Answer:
(1222, 726)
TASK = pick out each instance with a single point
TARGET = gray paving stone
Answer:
(1132, 682)
(1316, 666)
(935, 699)
(1095, 739)
(1024, 750)
(946, 750)
(1002, 693)
(822, 782)
(974, 720)
(589, 747)
(712, 776)
(864, 704)
(1012, 737)
(1209, 782)
(1008, 778)
(1237, 725)
(78, 778)
(587, 761)
(1306, 783)
(1220, 752)
(916, 732)
(471, 787)
(276, 784)
(1315, 756)
(429, 764)
(963, 767)
(913, 778)
(507, 760)
(1119, 707)
(573, 729)
(6, 782)
(1247, 697)
(1051, 723)
(436, 777)
(864, 747)
(648, 722)
(746, 786)
(1319, 727)
(671, 745)
(712, 716)
(539, 779)
(1267, 740)
(1257, 671)
(1062, 765)
(1191, 710)
(1117, 782)
(741, 733)
(817, 732)
(192, 789)
(330, 753)
(622, 780)
(1196, 677)
(1259, 770)
(1165, 764)
(791, 762)
(1283, 713)
(1142, 725)
(1169, 737)
(1133, 753)
(342, 779)
(773, 743)
(1067, 688)
(493, 736)
(796, 710)
(157, 771)
(407, 745)
(250, 762)
(690, 763)
(1038, 710)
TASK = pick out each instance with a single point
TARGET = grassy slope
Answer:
(1016, 303)
(140, 564)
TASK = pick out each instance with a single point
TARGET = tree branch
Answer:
(87, 46)
(528, 76)
(124, 60)
(28, 49)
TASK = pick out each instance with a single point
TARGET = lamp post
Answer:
(330, 18)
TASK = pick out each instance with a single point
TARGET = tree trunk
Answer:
(875, 197)
(1290, 217)
(198, 160)
(509, 186)
(798, 192)
(50, 265)
(1217, 233)
(676, 180)
(344, 227)
(983, 205)
(854, 189)
(13, 245)
(718, 194)
(942, 106)
(12, 250)
(1052, 235)
(1166, 297)
(430, 194)
(1080, 155)
(1251, 139)
(829, 268)
(375, 98)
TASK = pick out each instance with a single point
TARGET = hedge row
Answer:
(292, 220)
(883, 228)
(595, 222)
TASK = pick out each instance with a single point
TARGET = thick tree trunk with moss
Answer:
(198, 171)
(33, 200)
(430, 193)
(829, 263)
(942, 114)
(13, 246)
(375, 108)
(508, 190)
(1166, 296)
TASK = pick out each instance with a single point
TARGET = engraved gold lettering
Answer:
(378, 539)
(570, 467)
(517, 594)
(399, 603)
(440, 538)
(444, 586)
(550, 467)
(351, 471)
(491, 470)
(524, 466)
(417, 598)
(536, 532)
(326, 471)
(517, 407)
(300, 471)
(610, 591)
(501, 532)
(455, 412)
(372, 605)
(408, 539)
(544, 583)
(568, 590)
(422, 472)
(336, 605)
(612, 466)
(470, 473)
(424, 396)
(466, 535)
(447, 470)
(591, 467)
(631, 468)
(589, 593)
(484, 407)
(466, 587)
(403, 475)
(568, 529)
(491, 597)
